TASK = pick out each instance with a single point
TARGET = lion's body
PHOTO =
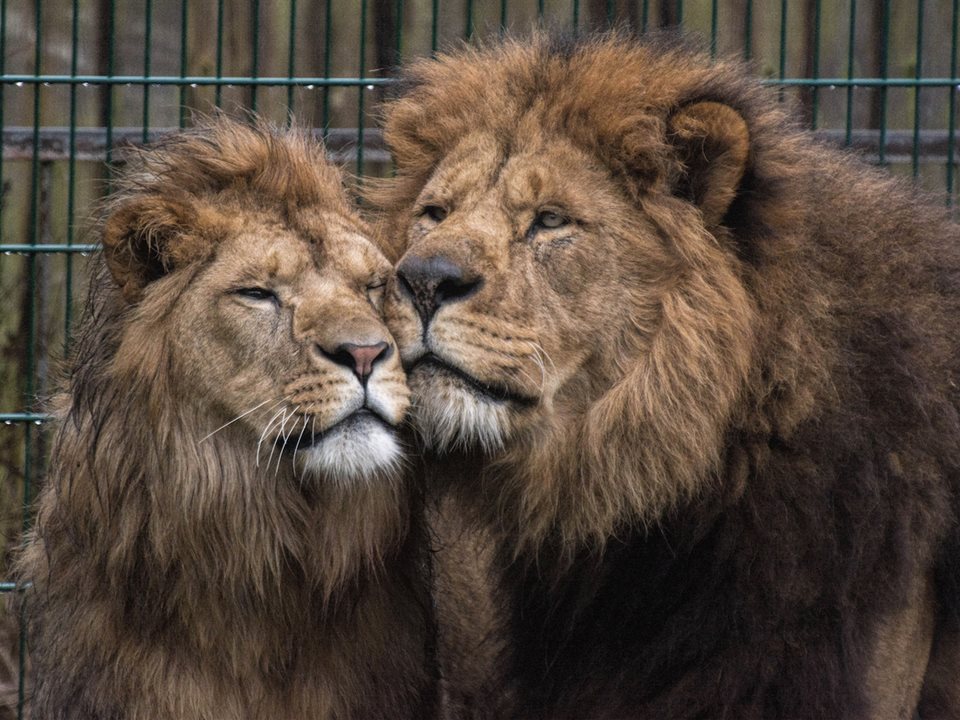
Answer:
(713, 395)
(176, 571)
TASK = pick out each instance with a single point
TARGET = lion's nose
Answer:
(432, 281)
(359, 358)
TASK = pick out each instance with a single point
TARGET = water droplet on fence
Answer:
(84, 254)
(310, 87)
(46, 84)
(86, 84)
(20, 84)
(833, 87)
(369, 87)
(8, 422)
(38, 422)
(8, 253)
(193, 85)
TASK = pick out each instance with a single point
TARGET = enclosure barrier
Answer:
(82, 80)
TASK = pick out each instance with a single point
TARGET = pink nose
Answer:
(360, 358)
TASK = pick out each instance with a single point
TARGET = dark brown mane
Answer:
(732, 525)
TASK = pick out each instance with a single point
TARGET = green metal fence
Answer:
(80, 80)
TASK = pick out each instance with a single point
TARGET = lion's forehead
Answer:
(518, 172)
(270, 251)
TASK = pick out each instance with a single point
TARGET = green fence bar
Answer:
(815, 69)
(714, 18)
(952, 104)
(147, 37)
(783, 45)
(71, 174)
(21, 249)
(360, 90)
(851, 45)
(184, 19)
(291, 57)
(327, 44)
(884, 82)
(186, 81)
(108, 87)
(254, 50)
(918, 73)
(26, 417)
(218, 93)
(309, 82)
(3, 69)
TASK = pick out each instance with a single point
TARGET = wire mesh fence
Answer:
(82, 79)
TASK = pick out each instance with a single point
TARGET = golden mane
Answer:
(174, 572)
(650, 441)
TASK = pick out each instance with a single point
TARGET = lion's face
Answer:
(526, 285)
(281, 332)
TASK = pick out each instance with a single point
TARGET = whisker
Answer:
(528, 376)
(238, 417)
(263, 435)
(296, 449)
(286, 437)
(273, 445)
(540, 350)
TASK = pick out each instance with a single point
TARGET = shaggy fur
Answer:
(698, 376)
(223, 533)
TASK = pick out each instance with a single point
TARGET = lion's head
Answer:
(570, 297)
(240, 259)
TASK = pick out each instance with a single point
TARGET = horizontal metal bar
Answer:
(6, 587)
(193, 80)
(24, 417)
(308, 82)
(48, 248)
(863, 82)
(932, 143)
(90, 143)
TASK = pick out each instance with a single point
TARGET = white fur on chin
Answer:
(448, 417)
(358, 451)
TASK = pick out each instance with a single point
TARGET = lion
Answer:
(225, 531)
(691, 373)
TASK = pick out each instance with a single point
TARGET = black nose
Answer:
(432, 281)
(359, 358)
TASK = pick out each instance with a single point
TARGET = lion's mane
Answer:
(730, 522)
(167, 577)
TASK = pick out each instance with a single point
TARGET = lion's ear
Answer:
(713, 142)
(140, 238)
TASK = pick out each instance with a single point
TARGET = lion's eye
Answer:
(256, 293)
(550, 220)
(435, 212)
(375, 294)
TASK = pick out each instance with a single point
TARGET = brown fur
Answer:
(191, 557)
(715, 409)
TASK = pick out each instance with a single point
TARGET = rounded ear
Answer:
(713, 142)
(139, 239)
